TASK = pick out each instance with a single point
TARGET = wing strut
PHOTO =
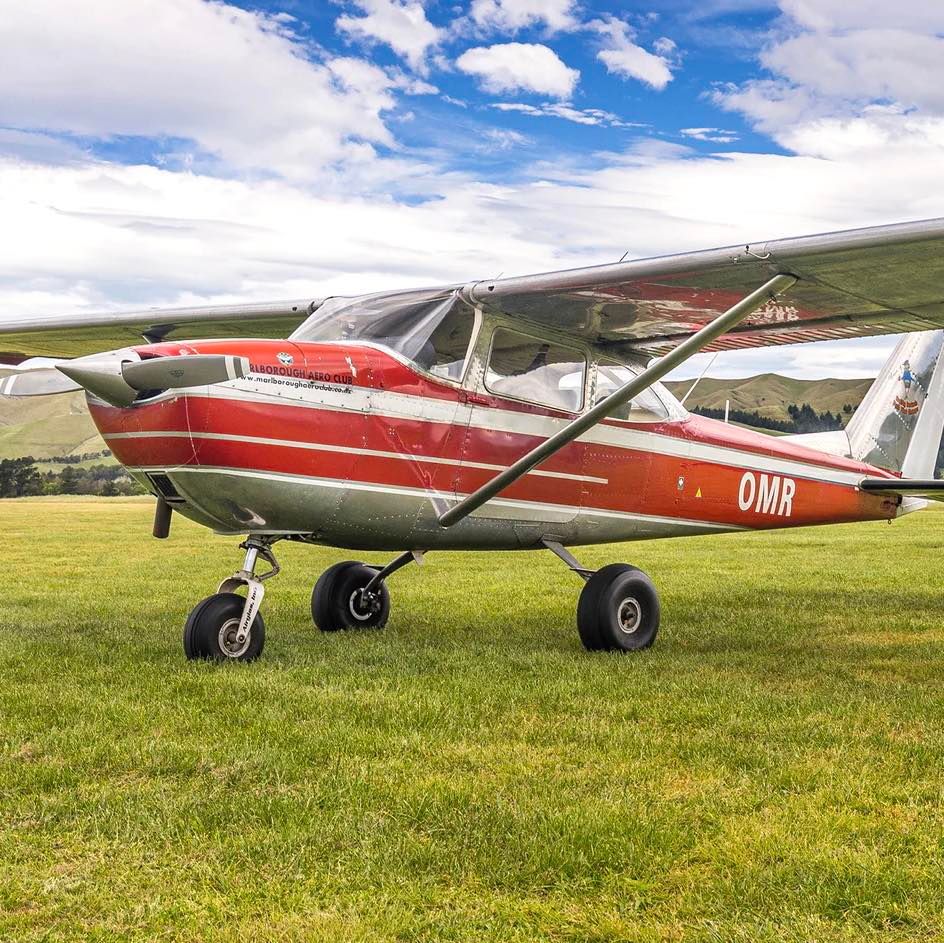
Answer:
(652, 374)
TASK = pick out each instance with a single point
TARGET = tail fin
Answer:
(899, 423)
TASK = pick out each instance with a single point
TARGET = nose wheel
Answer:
(227, 626)
(213, 633)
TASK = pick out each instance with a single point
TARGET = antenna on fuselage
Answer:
(700, 375)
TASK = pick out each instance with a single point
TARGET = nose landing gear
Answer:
(227, 626)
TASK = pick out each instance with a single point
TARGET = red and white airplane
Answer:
(521, 413)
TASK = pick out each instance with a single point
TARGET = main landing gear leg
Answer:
(618, 610)
(352, 595)
(227, 626)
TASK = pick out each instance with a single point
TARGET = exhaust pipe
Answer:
(162, 516)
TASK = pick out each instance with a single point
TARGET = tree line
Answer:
(802, 418)
(21, 477)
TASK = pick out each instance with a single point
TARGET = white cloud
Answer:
(712, 135)
(513, 15)
(624, 57)
(588, 116)
(401, 24)
(832, 59)
(869, 64)
(505, 138)
(822, 15)
(526, 67)
(236, 84)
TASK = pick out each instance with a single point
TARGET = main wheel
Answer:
(213, 625)
(618, 610)
(337, 603)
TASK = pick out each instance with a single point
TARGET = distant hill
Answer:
(60, 425)
(770, 394)
(44, 426)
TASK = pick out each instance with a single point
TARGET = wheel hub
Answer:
(363, 605)
(629, 616)
(230, 645)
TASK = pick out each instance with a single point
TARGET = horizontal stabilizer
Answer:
(930, 488)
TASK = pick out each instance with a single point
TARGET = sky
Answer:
(176, 152)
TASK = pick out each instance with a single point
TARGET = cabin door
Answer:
(524, 390)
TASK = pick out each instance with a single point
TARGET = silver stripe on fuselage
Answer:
(426, 409)
(428, 494)
(326, 447)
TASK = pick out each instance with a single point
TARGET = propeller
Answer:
(174, 373)
(117, 378)
(120, 375)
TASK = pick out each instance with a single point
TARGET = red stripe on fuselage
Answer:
(637, 481)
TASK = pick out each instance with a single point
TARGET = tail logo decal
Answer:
(906, 400)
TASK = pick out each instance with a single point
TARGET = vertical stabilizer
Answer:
(898, 425)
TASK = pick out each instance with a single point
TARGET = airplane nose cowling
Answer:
(119, 376)
(102, 375)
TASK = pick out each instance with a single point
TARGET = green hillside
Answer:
(44, 426)
(770, 394)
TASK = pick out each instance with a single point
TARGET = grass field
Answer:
(772, 770)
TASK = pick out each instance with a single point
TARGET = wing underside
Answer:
(77, 335)
(883, 280)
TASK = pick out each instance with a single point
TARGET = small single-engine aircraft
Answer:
(519, 413)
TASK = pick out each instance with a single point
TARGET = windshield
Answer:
(431, 328)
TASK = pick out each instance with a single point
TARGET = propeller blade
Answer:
(37, 381)
(171, 373)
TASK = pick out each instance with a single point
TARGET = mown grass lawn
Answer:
(771, 770)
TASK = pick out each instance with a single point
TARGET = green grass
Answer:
(772, 770)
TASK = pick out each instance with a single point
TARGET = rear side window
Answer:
(526, 368)
(646, 407)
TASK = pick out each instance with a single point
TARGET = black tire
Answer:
(211, 626)
(333, 603)
(618, 610)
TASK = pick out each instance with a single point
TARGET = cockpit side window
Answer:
(646, 407)
(444, 351)
(538, 371)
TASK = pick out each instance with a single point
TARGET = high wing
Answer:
(881, 280)
(64, 336)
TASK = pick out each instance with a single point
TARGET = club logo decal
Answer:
(287, 359)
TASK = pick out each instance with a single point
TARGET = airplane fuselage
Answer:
(353, 447)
